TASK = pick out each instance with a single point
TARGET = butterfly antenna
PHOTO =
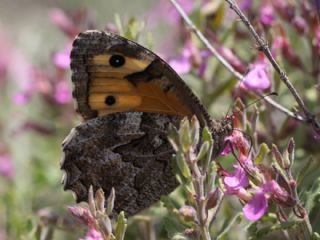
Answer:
(261, 98)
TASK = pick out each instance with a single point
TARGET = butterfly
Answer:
(127, 97)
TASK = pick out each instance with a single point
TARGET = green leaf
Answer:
(203, 150)
(185, 134)
(206, 135)
(195, 131)
(182, 165)
(173, 137)
(263, 151)
(172, 225)
(227, 226)
(121, 226)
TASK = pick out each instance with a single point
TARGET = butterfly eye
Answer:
(110, 100)
(117, 61)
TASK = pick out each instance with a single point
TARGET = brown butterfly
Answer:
(127, 97)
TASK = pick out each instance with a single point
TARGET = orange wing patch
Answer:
(111, 92)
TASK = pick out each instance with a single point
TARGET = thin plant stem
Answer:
(222, 60)
(198, 183)
(263, 46)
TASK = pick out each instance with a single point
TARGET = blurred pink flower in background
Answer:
(266, 15)
(182, 64)
(22, 98)
(245, 4)
(6, 167)
(165, 8)
(62, 93)
(61, 59)
(63, 22)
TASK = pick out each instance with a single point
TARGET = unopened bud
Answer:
(188, 213)
(213, 198)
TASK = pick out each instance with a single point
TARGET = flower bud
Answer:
(188, 213)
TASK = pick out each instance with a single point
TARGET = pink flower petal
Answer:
(62, 60)
(256, 208)
(180, 65)
(236, 180)
(22, 98)
(62, 92)
(63, 22)
(93, 234)
(266, 15)
(257, 78)
(6, 167)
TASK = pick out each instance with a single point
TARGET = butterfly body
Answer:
(128, 97)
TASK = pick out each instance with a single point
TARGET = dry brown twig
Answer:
(309, 117)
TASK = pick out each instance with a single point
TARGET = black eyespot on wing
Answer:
(110, 100)
(117, 61)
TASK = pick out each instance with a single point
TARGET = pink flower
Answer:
(256, 208)
(62, 92)
(183, 63)
(165, 8)
(245, 4)
(6, 167)
(63, 22)
(236, 180)
(62, 59)
(237, 141)
(257, 78)
(266, 15)
(22, 98)
(92, 234)
(228, 54)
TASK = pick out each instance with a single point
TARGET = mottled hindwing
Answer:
(128, 151)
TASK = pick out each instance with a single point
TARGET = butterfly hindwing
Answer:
(128, 151)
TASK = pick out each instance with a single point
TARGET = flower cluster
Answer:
(255, 183)
(97, 218)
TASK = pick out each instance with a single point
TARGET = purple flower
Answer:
(257, 77)
(236, 180)
(257, 207)
(266, 15)
(6, 167)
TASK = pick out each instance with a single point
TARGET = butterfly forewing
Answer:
(112, 74)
